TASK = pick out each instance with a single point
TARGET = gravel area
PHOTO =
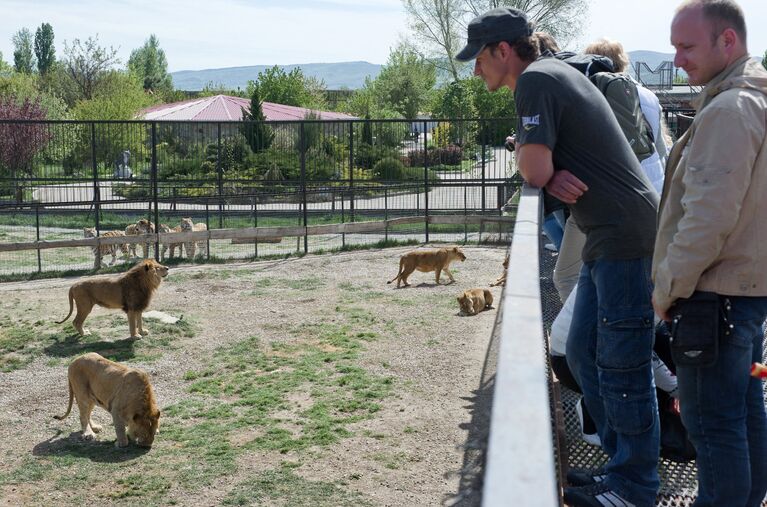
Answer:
(435, 356)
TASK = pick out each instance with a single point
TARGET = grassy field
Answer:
(281, 384)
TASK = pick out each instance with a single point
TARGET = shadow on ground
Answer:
(96, 451)
(74, 345)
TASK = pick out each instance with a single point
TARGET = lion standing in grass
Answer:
(131, 292)
(122, 391)
(428, 260)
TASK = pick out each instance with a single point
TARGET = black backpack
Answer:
(622, 95)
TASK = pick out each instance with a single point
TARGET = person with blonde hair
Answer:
(651, 109)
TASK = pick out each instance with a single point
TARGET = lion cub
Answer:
(131, 291)
(473, 301)
(122, 391)
(502, 279)
(427, 260)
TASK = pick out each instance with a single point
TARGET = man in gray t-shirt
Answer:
(569, 142)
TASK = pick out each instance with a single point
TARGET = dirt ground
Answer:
(409, 453)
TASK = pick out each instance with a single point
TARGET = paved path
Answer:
(440, 197)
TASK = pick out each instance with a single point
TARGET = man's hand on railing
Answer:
(565, 186)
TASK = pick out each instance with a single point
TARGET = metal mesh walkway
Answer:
(678, 480)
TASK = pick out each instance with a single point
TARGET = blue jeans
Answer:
(723, 411)
(609, 350)
(553, 226)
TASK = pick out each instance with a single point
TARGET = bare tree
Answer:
(438, 29)
(439, 26)
(563, 19)
(86, 62)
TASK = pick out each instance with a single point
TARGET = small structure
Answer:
(122, 170)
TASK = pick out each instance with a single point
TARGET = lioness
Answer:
(187, 225)
(131, 291)
(473, 301)
(502, 279)
(122, 391)
(427, 260)
(143, 226)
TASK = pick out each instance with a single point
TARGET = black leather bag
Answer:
(697, 325)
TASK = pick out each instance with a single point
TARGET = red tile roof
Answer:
(228, 108)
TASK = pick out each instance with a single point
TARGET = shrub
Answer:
(451, 155)
(416, 174)
(389, 169)
(366, 156)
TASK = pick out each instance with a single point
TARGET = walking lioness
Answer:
(122, 391)
(427, 260)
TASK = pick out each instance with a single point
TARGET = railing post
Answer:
(37, 227)
(426, 179)
(343, 220)
(465, 213)
(96, 193)
(303, 185)
(255, 221)
(386, 215)
(220, 177)
(484, 163)
(207, 225)
(351, 171)
(155, 192)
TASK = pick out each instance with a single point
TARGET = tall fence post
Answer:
(302, 144)
(155, 192)
(220, 178)
(255, 221)
(426, 179)
(207, 225)
(351, 171)
(484, 163)
(343, 221)
(386, 215)
(465, 213)
(37, 226)
(96, 193)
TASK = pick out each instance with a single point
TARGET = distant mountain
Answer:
(337, 76)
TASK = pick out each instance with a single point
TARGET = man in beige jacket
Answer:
(712, 236)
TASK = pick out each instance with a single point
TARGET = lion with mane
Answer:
(122, 391)
(131, 291)
(437, 260)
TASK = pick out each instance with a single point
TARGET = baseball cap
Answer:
(502, 24)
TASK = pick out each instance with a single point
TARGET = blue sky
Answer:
(197, 34)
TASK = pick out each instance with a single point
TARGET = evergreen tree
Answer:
(258, 134)
(764, 60)
(149, 63)
(23, 58)
(44, 50)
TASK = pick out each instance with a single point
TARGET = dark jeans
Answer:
(609, 350)
(723, 411)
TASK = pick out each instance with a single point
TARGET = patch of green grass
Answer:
(140, 485)
(283, 486)
(22, 341)
(29, 470)
(392, 461)
(284, 397)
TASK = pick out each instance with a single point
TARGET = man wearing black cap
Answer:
(569, 142)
